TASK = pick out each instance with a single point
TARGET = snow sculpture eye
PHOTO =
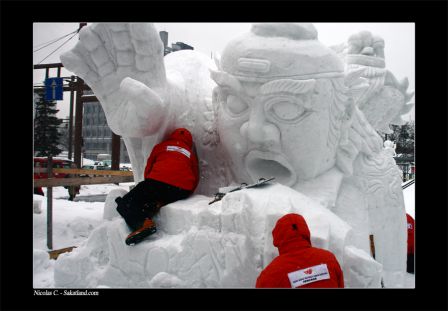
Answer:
(286, 109)
(235, 105)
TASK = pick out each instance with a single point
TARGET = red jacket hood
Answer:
(182, 134)
(291, 232)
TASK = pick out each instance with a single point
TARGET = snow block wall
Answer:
(198, 245)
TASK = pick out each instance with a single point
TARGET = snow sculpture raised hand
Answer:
(385, 99)
(365, 43)
(123, 64)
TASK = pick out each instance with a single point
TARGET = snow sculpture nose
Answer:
(258, 130)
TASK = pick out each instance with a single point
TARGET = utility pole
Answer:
(78, 116)
(116, 144)
(50, 205)
(70, 126)
(78, 121)
(81, 25)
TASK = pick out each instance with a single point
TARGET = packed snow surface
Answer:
(73, 222)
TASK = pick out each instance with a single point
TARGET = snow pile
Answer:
(43, 269)
(37, 204)
(409, 199)
(71, 226)
(73, 222)
(225, 244)
(76, 227)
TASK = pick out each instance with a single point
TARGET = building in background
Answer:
(97, 136)
(178, 46)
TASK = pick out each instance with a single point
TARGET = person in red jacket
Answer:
(171, 174)
(410, 261)
(299, 265)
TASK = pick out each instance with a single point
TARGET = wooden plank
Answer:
(52, 65)
(70, 87)
(55, 254)
(89, 98)
(92, 172)
(77, 181)
(38, 170)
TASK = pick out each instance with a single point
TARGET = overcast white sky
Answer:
(212, 37)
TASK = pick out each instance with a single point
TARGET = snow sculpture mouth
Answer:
(266, 164)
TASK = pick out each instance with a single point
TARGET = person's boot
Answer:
(144, 231)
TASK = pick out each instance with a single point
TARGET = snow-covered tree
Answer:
(46, 124)
(403, 136)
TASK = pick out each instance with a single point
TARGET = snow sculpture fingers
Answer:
(385, 99)
(109, 53)
(367, 44)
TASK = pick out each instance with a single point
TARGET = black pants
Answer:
(410, 263)
(146, 199)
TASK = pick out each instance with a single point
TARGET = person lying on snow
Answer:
(299, 265)
(171, 174)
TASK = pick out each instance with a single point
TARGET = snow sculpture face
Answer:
(277, 109)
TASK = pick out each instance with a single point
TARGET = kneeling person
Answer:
(171, 174)
(299, 265)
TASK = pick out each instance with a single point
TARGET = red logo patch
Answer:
(309, 271)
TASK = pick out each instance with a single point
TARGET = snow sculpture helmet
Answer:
(279, 51)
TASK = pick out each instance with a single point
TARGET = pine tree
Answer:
(46, 134)
(403, 136)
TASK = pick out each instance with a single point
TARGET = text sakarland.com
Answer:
(66, 292)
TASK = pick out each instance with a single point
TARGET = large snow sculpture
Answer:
(280, 104)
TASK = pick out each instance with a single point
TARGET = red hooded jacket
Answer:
(174, 162)
(411, 225)
(299, 265)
